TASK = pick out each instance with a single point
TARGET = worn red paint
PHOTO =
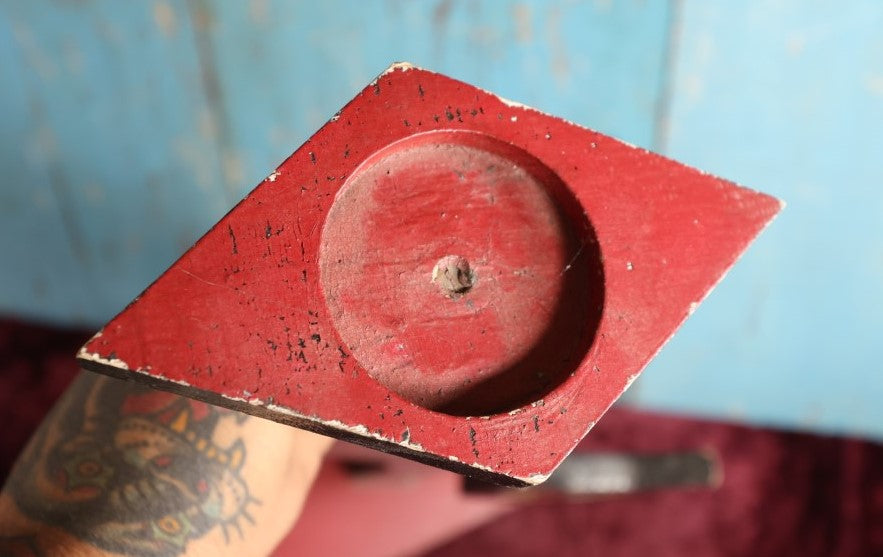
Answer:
(530, 287)
(317, 301)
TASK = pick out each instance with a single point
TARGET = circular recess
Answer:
(462, 273)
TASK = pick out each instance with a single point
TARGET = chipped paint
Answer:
(515, 104)
(395, 66)
(536, 479)
(400, 66)
(83, 354)
(630, 379)
(150, 373)
(145, 371)
(359, 429)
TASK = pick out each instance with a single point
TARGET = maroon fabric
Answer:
(783, 493)
(36, 366)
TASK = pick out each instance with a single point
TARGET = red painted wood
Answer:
(441, 274)
(466, 200)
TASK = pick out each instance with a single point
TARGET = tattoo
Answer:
(133, 470)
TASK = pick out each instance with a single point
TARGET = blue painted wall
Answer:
(786, 97)
(127, 129)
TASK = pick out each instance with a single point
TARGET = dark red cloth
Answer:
(782, 494)
(36, 366)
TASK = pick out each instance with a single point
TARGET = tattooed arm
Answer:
(119, 468)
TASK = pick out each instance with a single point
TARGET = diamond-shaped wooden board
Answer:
(441, 274)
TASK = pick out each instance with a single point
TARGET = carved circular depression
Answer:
(462, 273)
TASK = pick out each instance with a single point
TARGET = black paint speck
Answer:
(233, 238)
